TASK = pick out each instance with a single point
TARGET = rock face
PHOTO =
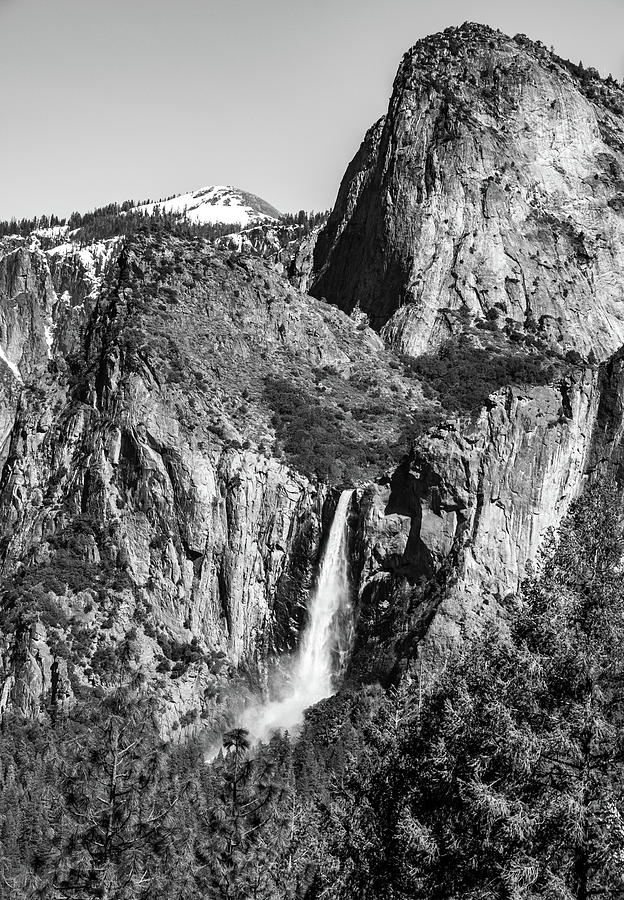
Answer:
(118, 507)
(148, 511)
(488, 201)
(445, 544)
(177, 418)
(494, 184)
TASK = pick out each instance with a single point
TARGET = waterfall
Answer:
(325, 643)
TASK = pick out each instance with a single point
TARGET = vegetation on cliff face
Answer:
(500, 775)
(164, 498)
(463, 373)
(117, 219)
(320, 430)
(258, 358)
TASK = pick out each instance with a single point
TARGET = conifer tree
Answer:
(508, 782)
(116, 833)
(242, 824)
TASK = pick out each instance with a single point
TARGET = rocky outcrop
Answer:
(176, 419)
(148, 512)
(492, 185)
(443, 545)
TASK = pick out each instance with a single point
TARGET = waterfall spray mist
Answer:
(325, 643)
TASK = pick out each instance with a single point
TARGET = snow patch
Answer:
(219, 204)
(54, 231)
(61, 250)
(92, 259)
(16, 372)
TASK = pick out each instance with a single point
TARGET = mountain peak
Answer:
(461, 49)
(216, 204)
(458, 37)
(494, 185)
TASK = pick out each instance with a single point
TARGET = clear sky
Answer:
(106, 100)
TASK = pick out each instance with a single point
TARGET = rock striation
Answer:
(494, 184)
(148, 510)
(178, 417)
(486, 202)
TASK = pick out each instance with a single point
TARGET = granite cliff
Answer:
(178, 417)
(483, 211)
(494, 185)
(159, 507)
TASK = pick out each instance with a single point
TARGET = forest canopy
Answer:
(501, 776)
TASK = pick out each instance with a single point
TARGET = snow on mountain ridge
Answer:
(216, 204)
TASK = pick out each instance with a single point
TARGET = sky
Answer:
(108, 100)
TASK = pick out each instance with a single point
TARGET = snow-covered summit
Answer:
(216, 205)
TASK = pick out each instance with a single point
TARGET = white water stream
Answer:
(325, 644)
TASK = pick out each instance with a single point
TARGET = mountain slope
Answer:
(159, 497)
(216, 205)
(177, 419)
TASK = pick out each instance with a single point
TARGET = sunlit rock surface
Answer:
(495, 182)
(161, 505)
(148, 510)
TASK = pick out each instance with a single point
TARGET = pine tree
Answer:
(244, 822)
(116, 832)
(359, 856)
(573, 626)
(509, 781)
(28, 795)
